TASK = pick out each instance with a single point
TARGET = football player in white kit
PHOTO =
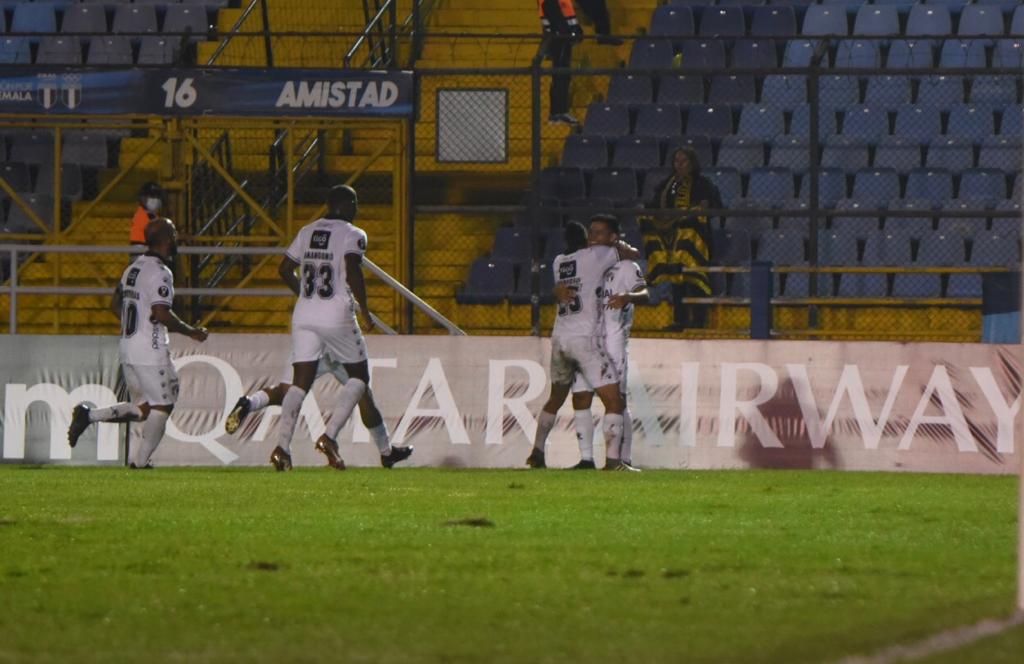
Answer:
(624, 286)
(329, 254)
(143, 301)
(577, 340)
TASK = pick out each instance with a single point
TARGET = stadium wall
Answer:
(472, 402)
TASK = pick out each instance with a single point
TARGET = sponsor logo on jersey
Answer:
(567, 270)
(319, 239)
(133, 275)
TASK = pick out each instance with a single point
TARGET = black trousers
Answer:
(560, 52)
(597, 11)
(688, 315)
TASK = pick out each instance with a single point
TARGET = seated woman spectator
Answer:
(682, 240)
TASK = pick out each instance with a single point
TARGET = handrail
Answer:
(13, 289)
(387, 6)
(236, 29)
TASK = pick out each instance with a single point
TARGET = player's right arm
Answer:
(162, 314)
(356, 283)
(287, 271)
(116, 301)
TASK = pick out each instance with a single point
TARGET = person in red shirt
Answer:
(151, 199)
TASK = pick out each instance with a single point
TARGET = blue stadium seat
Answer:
(839, 90)
(966, 226)
(157, 50)
(784, 91)
(910, 226)
(862, 285)
(929, 20)
(986, 184)
(800, 123)
(1012, 123)
(185, 19)
(34, 17)
(699, 144)
(554, 243)
(837, 248)
(692, 3)
(17, 175)
(910, 54)
(755, 54)
(930, 184)
(709, 53)
(730, 247)
(824, 20)
(79, 18)
(512, 244)
(1018, 187)
(845, 153)
(630, 89)
(618, 184)
(972, 122)
(888, 91)
(32, 148)
(999, 90)
(562, 183)
(651, 179)
(15, 50)
(606, 120)
(800, 52)
(886, 249)
(790, 152)
(980, 21)
(651, 54)
(996, 250)
(958, 54)
(918, 123)
(1009, 53)
(639, 152)
(942, 91)
(941, 250)
(1017, 20)
(722, 22)
(911, 285)
(489, 281)
(110, 51)
(782, 248)
(1001, 152)
(876, 187)
(869, 123)
(1007, 226)
(764, 122)
(750, 225)
(662, 120)
(898, 153)
(59, 50)
(70, 181)
(744, 153)
(963, 285)
(771, 185)
(773, 22)
(85, 149)
(877, 20)
(735, 90)
(707, 120)
(584, 151)
(524, 284)
(680, 89)
(831, 187)
(952, 154)
(134, 19)
(858, 54)
(727, 180)
(670, 21)
(853, 226)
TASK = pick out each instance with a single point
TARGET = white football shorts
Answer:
(155, 385)
(617, 352)
(343, 344)
(327, 365)
(585, 356)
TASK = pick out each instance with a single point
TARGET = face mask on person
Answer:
(151, 204)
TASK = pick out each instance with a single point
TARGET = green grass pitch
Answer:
(433, 565)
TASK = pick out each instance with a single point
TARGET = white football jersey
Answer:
(582, 271)
(324, 295)
(624, 277)
(146, 282)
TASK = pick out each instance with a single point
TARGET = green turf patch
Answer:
(432, 565)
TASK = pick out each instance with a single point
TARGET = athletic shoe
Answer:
(132, 466)
(79, 423)
(616, 464)
(329, 449)
(584, 464)
(536, 459)
(280, 459)
(237, 415)
(397, 454)
(564, 118)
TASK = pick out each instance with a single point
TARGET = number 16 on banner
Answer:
(179, 94)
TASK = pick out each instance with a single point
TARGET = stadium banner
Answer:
(467, 401)
(215, 91)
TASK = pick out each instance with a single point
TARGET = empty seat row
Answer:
(84, 148)
(92, 19)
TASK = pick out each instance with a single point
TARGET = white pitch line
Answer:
(951, 639)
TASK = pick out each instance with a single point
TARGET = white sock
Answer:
(584, 422)
(626, 452)
(119, 412)
(152, 434)
(612, 434)
(379, 435)
(290, 407)
(545, 423)
(258, 401)
(351, 393)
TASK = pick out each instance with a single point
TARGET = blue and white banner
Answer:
(264, 92)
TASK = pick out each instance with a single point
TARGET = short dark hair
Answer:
(158, 231)
(151, 189)
(575, 236)
(609, 220)
(340, 196)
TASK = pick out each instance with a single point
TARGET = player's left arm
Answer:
(287, 272)
(620, 300)
(356, 283)
(116, 301)
(163, 314)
